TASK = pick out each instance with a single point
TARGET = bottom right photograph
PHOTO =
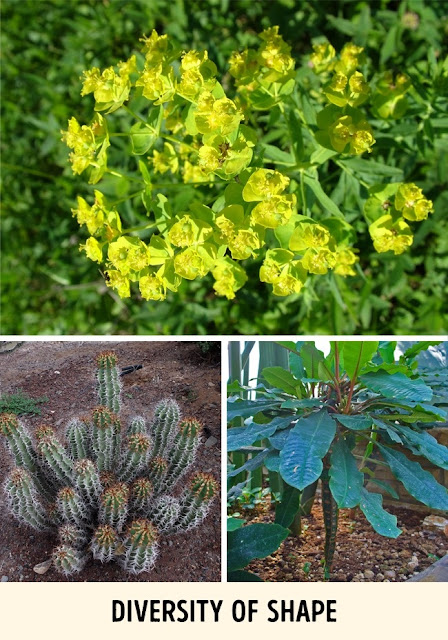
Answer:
(337, 464)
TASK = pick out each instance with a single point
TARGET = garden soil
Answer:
(361, 554)
(64, 372)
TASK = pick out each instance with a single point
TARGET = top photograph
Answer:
(222, 167)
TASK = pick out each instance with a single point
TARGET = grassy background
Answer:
(50, 288)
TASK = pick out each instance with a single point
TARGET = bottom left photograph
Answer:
(110, 461)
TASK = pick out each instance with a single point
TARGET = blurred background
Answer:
(50, 288)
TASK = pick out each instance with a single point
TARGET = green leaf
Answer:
(245, 436)
(308, 442)
(314, 362)
(355, 423)
(251, 464)
(384, 523)
(287, 509)
(242, 576)
(397, 386)
(253, 541)
(384, 485)
(142, 138)
(272, 461)
(296, 365)
(418, 482)
(388, 429)
(145, 173)
(246, 408)
(356, 355)
(281, 379)
(377, 169)
(325, 201)
(420, 346)
(427, 445)
(235, 523)
(346, 481)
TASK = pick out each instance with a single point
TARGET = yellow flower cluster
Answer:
(89, 144)
(389, 208)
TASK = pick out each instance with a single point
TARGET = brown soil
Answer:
(361, 554)
(64, 372)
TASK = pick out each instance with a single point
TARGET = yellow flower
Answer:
(345, 132)
(264, 183)
(194, 262)
(219, 116)
(411, 202)
(323, 57)
(318, 260)
(244, 244)
(128, 254)
(119, 282)
(93, 249)
(388, 235)
(158, 83)
(189, 231)
(274, 211)
(152, 287)
(155, 48)
(166, 160)
(229, 277)
(345, 260)
(309, 236)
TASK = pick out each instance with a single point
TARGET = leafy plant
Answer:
(324, 407)
(107, 490)
(20, 403)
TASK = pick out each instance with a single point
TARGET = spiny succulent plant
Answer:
(104, 489)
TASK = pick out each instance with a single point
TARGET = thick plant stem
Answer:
(331, 513)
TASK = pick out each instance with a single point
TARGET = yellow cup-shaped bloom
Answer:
(318, 260)
(274, 211)
(158, 83)
(93, 217)
(209, 158)
(351, 58)
(244, 244)
(194, 262)
(286, 284)
(93, 249)
(390, 235)
(309, 235)
(220, 116)
(411, 202)
(264, 183)
(119, 282)
(128, 254)
(166, 160)
(229, 277)
(323, 57)
(155, 48)
(152, 287)
(194, 173)
(345, 261)
(189, 231)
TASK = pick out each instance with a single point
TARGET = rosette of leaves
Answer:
(106, 490)
(197, 130)
(311, 417)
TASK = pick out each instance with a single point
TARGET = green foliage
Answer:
(107, 491)
(357, 396)
(49, 288)
(20, 403)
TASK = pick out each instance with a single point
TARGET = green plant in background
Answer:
(20, 403)
(320, 409)
(48, 287)
(107, 491)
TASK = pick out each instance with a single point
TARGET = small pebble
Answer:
(369, 575)
(4, 578)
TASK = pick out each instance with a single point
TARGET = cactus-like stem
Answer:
(165, 512)
(77, 435)
(72, 536)
(106, 438)
(19, 441)
(135, 457)
(164, 426)
(157, 469)
(141, 495)
(195, 501)
(71, 507)
(68, 560)
(109, 384)
(183, 451)
(141, 547)
(53, 453)
(114, 506)
(24, 500)
(137, 425)
(87, 481)
(104, 543)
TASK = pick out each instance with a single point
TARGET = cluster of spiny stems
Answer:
(105, 490)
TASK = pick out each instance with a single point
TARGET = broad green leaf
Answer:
(312, 358)
(246, 408)
(389, 429)
(427, 445)
(418, 482)
(356, 355)
(420, 346)
(252, 464)
(304, 403)
(142, 138)
(282, 379)
(384, 485)
(287, 509)
(387, 350)
(245, 436)
(397, 386)
(272, 461)
(308, 442)
(235, 523)
(280, 438)
(356, 423)
(296, 366)
(242, 576)
(384, 523)
(346, 481)
(253, 541)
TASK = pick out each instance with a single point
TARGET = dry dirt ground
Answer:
(361, 554)
(64, 372)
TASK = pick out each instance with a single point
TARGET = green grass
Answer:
(20, 403)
